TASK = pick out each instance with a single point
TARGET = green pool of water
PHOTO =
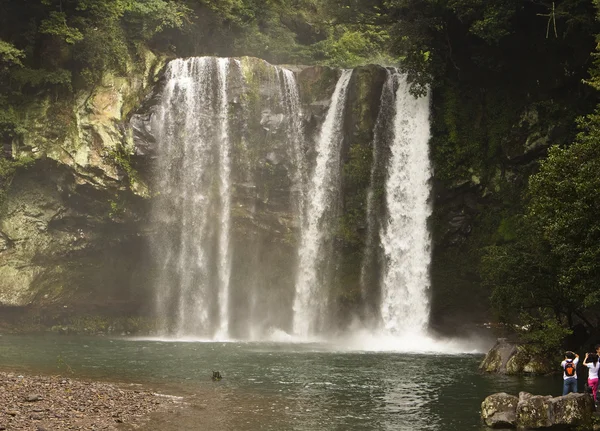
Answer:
(281, 386)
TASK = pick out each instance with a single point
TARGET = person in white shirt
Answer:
(570, 372)
(591, 361)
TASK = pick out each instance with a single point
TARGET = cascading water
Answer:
(370, 274)
(309, 302)
(282, 139)
(404, 237)
(224, 145)
(291, 103)
(247, 206)
(198, 169)
(192, 133)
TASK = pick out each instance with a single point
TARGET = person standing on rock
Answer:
(570, 372)
(591, 361)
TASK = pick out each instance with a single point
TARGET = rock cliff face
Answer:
(75, 236)
(69, 222)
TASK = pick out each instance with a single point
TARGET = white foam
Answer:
(423, 343)
(357, 341)
(164, 339)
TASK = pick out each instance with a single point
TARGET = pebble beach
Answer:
(52, 403)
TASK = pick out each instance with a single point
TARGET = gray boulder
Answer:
(496, 359)
(500, 410)
(534, 411)
(573, 410)
(507, 357)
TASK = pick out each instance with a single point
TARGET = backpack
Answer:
(570, 369)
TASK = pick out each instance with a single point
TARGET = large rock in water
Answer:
(500, 410)
(496, 359)
(506, 357)
(572, 411)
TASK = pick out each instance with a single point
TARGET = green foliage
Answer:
(488, 20)
(480, 39)
(549, 264)
(9, 55)
(40, 77)
(69, 37)
(10, 125)
(348, 47)
(56, 25)
(543, 335)
(564, 208)
(122, 159)
(470, 130)
(103, 49)
(143, 20)
(521, 274)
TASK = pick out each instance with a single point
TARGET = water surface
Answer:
(280, 386)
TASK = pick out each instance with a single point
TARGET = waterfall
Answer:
(295, 133)
(247, 198)
(281, 119)
(370, 277)
(309, 302)
(404, 237)
(193, 222)
(225, 199)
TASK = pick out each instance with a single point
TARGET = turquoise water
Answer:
(281, 386)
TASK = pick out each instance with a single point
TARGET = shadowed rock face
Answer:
(62, 245)
(74, 226)
(70, 222)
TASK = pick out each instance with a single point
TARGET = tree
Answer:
(565, 208)
(550, 269)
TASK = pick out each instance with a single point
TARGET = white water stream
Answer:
(193, 136)
(310, 301)
(405, 238)
(224, 148)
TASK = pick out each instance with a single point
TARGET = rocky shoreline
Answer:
(54, 403)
